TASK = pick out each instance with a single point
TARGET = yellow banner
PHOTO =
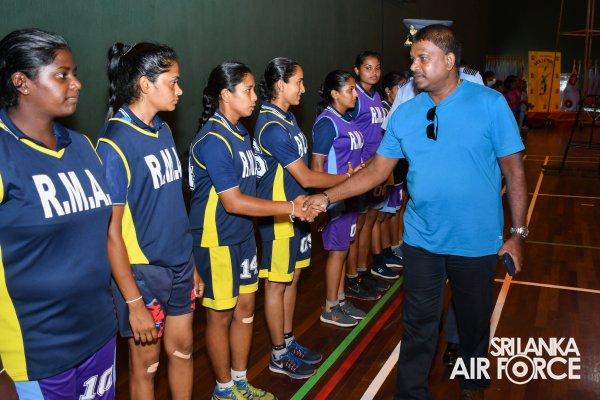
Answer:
(544, 80)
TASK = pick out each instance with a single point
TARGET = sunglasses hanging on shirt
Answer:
(432, 128)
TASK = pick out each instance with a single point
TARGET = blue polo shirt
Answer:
(455, 204)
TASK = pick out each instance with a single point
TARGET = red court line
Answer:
(360, 348)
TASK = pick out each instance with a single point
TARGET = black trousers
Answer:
(425, 273)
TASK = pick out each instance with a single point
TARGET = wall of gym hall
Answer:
(321, 34)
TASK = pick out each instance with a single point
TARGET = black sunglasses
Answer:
(432, 128)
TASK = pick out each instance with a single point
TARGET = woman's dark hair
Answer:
(443, 37)
(224, 76)
(25, 51)
(391, 79)
(360, 58)
(128, 63)
(278, 69)
(335, 80)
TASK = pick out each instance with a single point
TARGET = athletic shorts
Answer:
(393, 199)
(166, 291)
(281, 257)
(227, 271)
(93, 379)
(339, 233)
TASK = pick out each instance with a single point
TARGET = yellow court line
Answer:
(546, 285)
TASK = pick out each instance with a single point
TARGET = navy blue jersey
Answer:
(278, 142)
(143, 173)
(55, 302)
(221, 159)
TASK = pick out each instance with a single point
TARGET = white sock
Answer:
(224, 386)
(238, 375)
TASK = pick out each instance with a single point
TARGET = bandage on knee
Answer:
(179, 354)
(248, 320)
(152, 368)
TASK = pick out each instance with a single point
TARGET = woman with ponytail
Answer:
(281, 152)
(223, 183)
(149, 240)
(57, 322)
(337, 144)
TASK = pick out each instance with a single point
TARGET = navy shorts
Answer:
(165, 290)
(93, 379)
(227, 271)
(281, 257)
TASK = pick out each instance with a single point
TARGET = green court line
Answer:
(579, 246)
(335, 355)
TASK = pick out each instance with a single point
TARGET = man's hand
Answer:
(306, 213)
(317, 200)
(514, 247)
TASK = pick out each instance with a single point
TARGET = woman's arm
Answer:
(140, 319)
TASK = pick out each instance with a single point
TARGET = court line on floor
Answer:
(336, 354)
(383, 374)
(506, 284)
(577, 246)
(547, 285)
(569, 196)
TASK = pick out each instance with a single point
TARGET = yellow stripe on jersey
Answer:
(227, 127)
(1, 190)
(11, 345)
(42, 149)
(120, 153)
(282, 226)
(221, 279)
(93, 148)
(134, 251)
(137, 128)
(209, 234)
(278, 115)
(261, 131)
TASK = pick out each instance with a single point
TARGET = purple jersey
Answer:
(368, 116)
(338, 139)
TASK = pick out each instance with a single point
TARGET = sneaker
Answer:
(355, 289)
(252, 392)
(384, 272)
(305, 354)
(337, 316)
(232, 393)
(369, 281)
(398, 252)
(392, 260)
(288, 364)
(352, 311)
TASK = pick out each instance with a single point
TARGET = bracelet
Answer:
(349, 174)
(327, 198)
(2, 371)
(133, 301)
(293, 211)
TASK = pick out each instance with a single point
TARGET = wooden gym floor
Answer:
(556, 296)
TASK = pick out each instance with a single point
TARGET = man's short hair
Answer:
(443, 37)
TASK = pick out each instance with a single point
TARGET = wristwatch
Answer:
(522, 230)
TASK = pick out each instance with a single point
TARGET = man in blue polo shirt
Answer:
(458, 137)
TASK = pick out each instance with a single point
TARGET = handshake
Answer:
(307, 208)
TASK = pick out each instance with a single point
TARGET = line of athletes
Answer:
(72, 214)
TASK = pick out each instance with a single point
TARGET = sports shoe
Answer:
(252, 392)
(392, 260)
(351, 310)
(369, 281)
(355, 289)
(232, 393)
(305, 354)
(398, 252)
(382, 271)
(288, 364)
(337, 316)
